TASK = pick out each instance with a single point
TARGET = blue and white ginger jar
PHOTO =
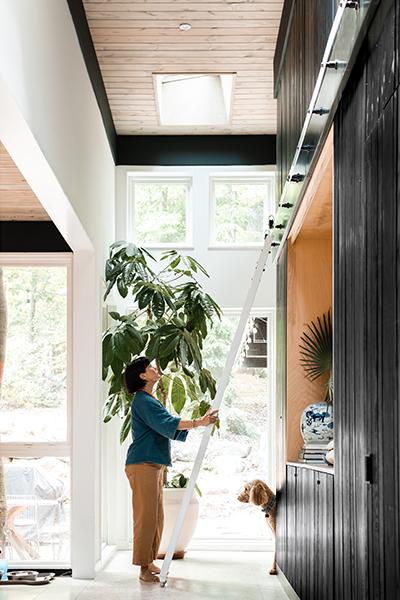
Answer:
(316, 423)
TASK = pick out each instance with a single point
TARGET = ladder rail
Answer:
(229, 364)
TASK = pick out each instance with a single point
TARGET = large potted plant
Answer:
(168, 323)
(316, 422)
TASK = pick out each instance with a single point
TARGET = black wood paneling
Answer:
(308, 561)
(301, 43)
(366, 319)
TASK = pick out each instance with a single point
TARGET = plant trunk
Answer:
(3, 335)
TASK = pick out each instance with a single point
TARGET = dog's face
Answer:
(256, 492)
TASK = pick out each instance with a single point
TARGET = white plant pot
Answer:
(172, 503)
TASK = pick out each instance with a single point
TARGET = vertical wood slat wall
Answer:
(307, 561)
(296, 66)
(366, 548)
(366, 318)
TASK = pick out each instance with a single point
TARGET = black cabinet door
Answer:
(307, 562)
(291, 529)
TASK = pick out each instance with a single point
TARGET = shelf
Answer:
(314, 467)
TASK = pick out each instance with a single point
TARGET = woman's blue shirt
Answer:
(153, 428)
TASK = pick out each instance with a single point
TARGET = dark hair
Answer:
(133, 381)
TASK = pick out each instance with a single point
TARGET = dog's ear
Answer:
(258, 493)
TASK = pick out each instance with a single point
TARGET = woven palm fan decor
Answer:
(316, 351)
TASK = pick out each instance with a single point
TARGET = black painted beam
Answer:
(192, 150)
(31, 236)
(92, 65)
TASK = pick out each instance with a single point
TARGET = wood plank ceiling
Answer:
(17, 200)
(134, 39)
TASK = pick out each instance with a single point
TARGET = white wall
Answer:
(230, 270)
(51, 126)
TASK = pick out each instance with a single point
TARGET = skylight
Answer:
(194, 99)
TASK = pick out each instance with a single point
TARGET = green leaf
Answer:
(116, 365)
(126, 426)
(108, 290)
(120, 347)
(114, 315)
(118, 244)
(107, 350)
(175, 262)
(152, 348)
(194, 262)
(168, 345)
(135, 339)
(203, 382)
(178, 394)
(191, 388)
(194, 349)
(203, 408)
(123, 290)
(131, 250)
(144, 298)
(158, 305)
(130, 273)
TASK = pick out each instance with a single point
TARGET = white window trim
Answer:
(40, 449)
(159, 177)
(267, 177)
(60, 449)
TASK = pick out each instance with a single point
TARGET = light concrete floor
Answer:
(201, 575)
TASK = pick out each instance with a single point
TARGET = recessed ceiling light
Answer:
(185, 26)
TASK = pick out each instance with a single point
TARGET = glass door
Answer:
(35, 408)
(240, 450)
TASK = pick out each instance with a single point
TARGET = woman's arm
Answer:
(209, 418)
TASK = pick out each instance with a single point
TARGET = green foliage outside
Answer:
(160, 212)
(234, 414)
(36, 349)
(239, 212)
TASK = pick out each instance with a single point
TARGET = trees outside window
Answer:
(160, 211)
(239, 210)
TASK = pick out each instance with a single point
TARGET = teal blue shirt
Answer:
(153, 428)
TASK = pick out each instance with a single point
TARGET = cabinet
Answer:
(305, 540)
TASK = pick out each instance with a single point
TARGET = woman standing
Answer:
(153, 428)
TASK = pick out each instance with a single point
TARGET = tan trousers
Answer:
(146, 481)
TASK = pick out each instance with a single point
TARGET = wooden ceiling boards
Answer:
(135, 39)
(17, 201)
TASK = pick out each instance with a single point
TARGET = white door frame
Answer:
(27, 155)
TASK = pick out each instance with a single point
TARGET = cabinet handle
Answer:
(368, 468)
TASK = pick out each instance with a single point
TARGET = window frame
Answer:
(21, 449)
(159, 177)
(257, 177)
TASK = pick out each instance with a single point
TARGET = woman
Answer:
(152, 429)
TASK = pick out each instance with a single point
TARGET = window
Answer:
(240, 206)
(200, 99)
(35, 428)
(160, 214)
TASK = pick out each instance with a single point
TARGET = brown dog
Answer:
(257, 492)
